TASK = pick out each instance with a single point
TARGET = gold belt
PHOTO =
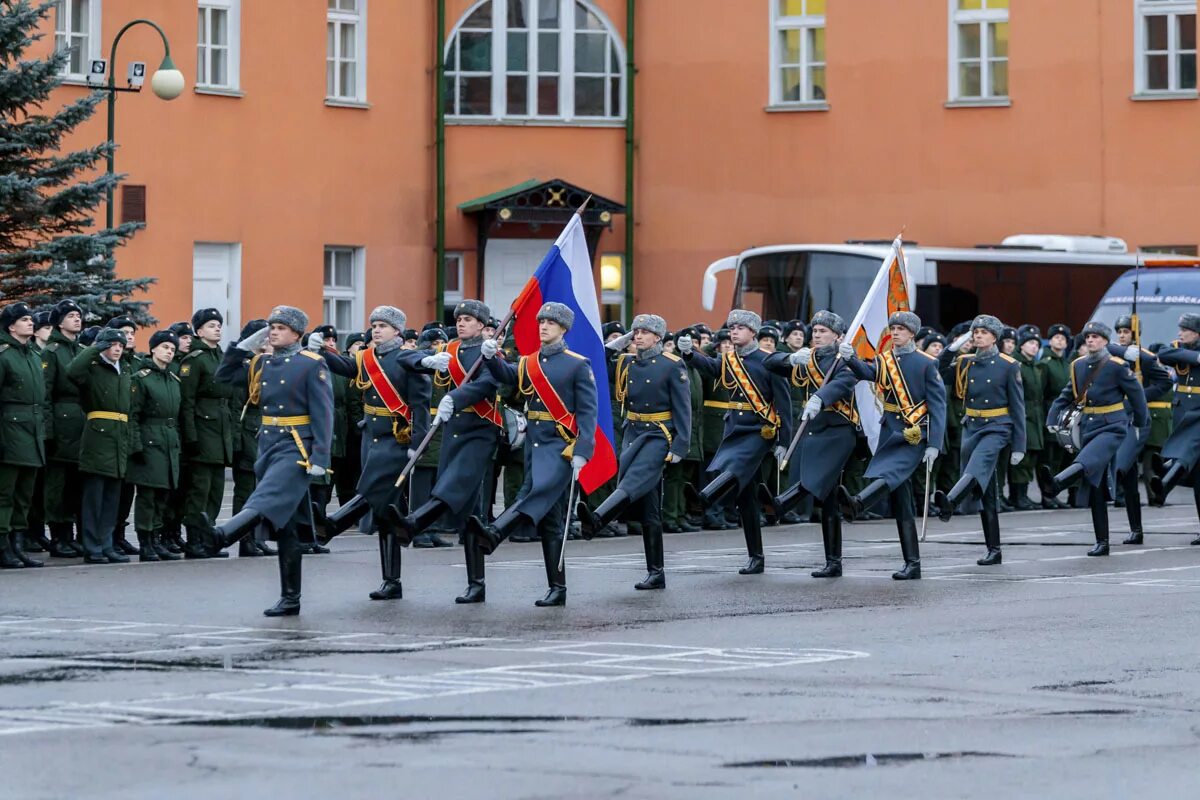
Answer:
(987, 413)
(1104, 409)
(1188, 389)
(113, 415)
(717, 404)
(660, 416)
(540, 416)
(1160, 404)
(286, 422)
(379, 411)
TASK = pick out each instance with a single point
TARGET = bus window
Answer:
(795, 285)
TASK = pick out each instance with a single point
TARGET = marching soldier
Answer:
(105, 396)
(716, 405)
(989, 384)
(831, 419)
(1100, 385)
(1156, 383)
(154, 445)
(678, 475)
(471, 422)
(758, 424)
(1182, 448)
(914, 411)
(61, 494)
(346, 469)
(292, 387)
(1033, 381)
(247, 419)
(396, 417)
(207, 432)
(654, 393)
(560, 388)
(1056, 361)
(22, 429)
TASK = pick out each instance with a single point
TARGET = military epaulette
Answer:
(193, 354)
(176, 377)
(141, 373)
(51, 347)
(311, 355)
(575, 355)
(672, 357)
(923, 353)
(1117, 359)
(1008, 358)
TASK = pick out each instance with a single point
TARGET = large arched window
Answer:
(534, 60)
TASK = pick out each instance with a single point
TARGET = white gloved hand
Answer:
(411, 454)
(801, 357)
(846, 350)
(1052, 428)
(811, 408)
(620, 343)
(779, 453)
(438, 362)
(684, 343)
(1016, 458)
(1132, 354)
(489, 348)
(255, 341)
(577, 465)
(316, 471)
(931, 454)
(957, 344)
(316, 342)
(1137, 434)
(673, 459)
(445, 410)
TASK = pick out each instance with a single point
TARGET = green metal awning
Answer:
(479, 203)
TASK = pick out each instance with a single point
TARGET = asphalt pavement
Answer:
(1053, 675)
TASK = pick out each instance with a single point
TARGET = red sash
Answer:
(379, 379)
(486, 409)
(549, 397)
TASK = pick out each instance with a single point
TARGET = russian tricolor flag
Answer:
(565, 276)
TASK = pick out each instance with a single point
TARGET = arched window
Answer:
(534, 60)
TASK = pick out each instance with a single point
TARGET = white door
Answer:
(508, 265)
(217, 283)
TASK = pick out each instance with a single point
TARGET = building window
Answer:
(218, 44)
(534, 59)
(77, 30)
(346, 51)
(797, 51)
(453, 266)
(612, 293)
(1165, 37)
(343, 289)
(978, 50)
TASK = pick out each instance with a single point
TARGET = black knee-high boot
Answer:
(390, 550)
(1133, 505)
(779, 507)
(752, 527)
(339, 521)
(1161, 487)
(854, 505)
(476, 590)
(1099, 519)
(407, 527)
(488, 537)
(290, 553)
(946, 501)
(991, 536)
(556, 577)
(236, 527)
(831, 533)
(591, 522)
(652, 541)
(1196, 495)
(716, 490)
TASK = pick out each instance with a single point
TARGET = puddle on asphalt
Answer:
(325, 723)
(865, 760)
(1089, 712)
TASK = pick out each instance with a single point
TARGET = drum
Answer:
(514, 428)
(1070, 430)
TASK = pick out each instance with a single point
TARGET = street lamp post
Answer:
(167, 82)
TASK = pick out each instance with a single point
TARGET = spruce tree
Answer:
(49, 249)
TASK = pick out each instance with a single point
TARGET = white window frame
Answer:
(233, 12)
(566, 72)
(92, 45)
(804, 24)
(984, 18)
(453, 298)
(1172, 9)
(354, 294)
(358, 18)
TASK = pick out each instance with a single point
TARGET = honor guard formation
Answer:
(430, 434)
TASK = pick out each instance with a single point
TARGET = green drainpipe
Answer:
(630, 72)
(440, 148)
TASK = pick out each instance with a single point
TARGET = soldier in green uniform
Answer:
(61, 493)
(1033, 379)
(207, 433)
(1161, 426)
(22, 429)
(33, 538)
(1056, 361)
(132, 361)
(184, 333)
(170, 537)
(676, 475)
(247, 420)
(154, 445)
(106, 397)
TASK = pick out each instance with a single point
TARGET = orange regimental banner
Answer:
(548, 395)
(383, 385)
(486, 409)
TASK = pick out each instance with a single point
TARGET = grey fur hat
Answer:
(907, 319)
(740, 316)
(390, 315)
(107, 337)
(1099, 328)
(1190, 322)
(990, 324)
(650, 322)
(1124, 321)
(291, 316)
(830, 320)
(473, 308)
(557, 312)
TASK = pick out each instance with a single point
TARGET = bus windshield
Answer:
(796, 285)
(1163, 294)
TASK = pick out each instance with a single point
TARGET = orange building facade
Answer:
(301, 164)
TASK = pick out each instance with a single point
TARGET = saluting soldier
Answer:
(61, 495)
(105, 396)
(653, 390)
(1100, 384)
(1156, 384)
(989, 384)
(247, 419)
(207, 426)
(914, 413)
(758, 423)
(1182, 448)
(154, 445)
(293, 388)
(716, 405)
(831, 420)
(22, 429)
(396, 417)
(560, 391)
(470, 419)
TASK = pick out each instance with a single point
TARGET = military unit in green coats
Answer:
(95, 436)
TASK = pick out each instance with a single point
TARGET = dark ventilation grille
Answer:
(133, 203)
